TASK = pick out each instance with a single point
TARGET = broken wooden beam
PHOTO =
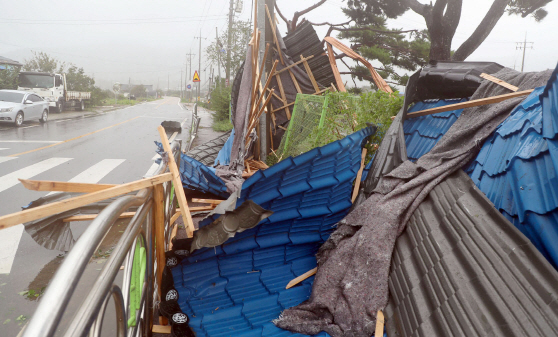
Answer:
(178, 189)
(334, 68)
(62, 186)
(207, 201)
(293, 65)
(87, 217)
(499, 81)
(359, 175)
(380, 321)
(469, 104)
(164, 329)
(301, 278)
(43, 211)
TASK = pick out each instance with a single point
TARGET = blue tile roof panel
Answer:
(197, 176)
(516, 168)
(238, 288)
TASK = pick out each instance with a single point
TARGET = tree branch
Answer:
(281, 15)
(483, 30)
(298, 14)
(417, 7)
(357, 29)
(330, 24)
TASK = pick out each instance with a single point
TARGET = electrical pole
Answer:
(218, 55)
(168, 83)
(199, 69)
(229, 38)
(180, 83)
(523, 47)
(189, 72)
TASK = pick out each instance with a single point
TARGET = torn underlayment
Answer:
(351, 282)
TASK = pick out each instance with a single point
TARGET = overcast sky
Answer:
(147, 41)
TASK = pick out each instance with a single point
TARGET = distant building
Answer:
(6, 63)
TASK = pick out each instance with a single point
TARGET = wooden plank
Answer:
(378, 80)
(202, 208)
(173, 234)
(282, 91)
(469, 104)
(178, 189)
(87, 217)
(174, 217)
(166, 329)
(301, 278)
(260, 73)
(334, 68)
(274, 36)
(380, 321)
(293, 65)
(159, 230)
(276, 96)
(359, 175)
(283, 107)
(499, 81)
(253, 123)
(333, 88)
(62, 186)
(255, 107)
(40, 212)
(310, 74)
(293, 78)
(207, 201)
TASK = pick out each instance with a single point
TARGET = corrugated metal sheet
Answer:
(236, 289)
(461, 269)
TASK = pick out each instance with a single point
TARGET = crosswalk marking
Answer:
(3, 159)
(11, 179)
(4, 148)
(96, 172)
(8, 249)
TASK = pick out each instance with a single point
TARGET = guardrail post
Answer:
(159, 230)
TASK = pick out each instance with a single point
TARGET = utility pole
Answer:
(523, 47)
(199, 65)
(180, 83)
(229, 38)
(218, 55)
(189, 76)
(168, 83)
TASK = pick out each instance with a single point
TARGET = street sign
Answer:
(196, 77)
(189, 86)
(116, 87)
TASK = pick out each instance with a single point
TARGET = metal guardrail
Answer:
(133, 316)
(193, 127)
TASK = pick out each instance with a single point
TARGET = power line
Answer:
(523, 47)
(189, 20)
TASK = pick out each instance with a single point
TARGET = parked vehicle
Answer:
(53, 89)
(17, 106)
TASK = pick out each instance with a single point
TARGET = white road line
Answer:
(30, 141)
(4, 159)
(180, 105)
(4, 148)
(8, 249)
(96, 172)
(11, 179)
(27, 127)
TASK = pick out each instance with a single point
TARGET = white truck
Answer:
(53, 89)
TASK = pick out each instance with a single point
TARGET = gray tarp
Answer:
(353, 265)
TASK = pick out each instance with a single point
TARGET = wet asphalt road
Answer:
(111, 148)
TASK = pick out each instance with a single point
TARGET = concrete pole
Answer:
(229, 38)
(199, 70)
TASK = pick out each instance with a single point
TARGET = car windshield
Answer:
(36, 81)
(14, 97)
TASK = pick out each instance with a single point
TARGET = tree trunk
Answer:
(483, 30)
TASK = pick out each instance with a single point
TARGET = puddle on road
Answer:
(33, 269)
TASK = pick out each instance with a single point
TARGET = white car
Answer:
(17, 106)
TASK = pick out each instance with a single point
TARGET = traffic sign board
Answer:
(189, 86)
(196, 77)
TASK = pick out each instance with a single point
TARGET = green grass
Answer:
(222, 125)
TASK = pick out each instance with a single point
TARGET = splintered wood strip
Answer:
(499, 81)
(43, 211)
(378, 80)
(283, 107)
(173, 235)
(301, 278)
(260, 73)
(87, 217)
(158, 217)
(334, 68)
(469, 104)
(282, 91)
(178, 189)
(255, 107)
(380, 321)
(257, 117)
(333, 88)
(293, 78)
(276, 96)
(62, 186)
(207, 201)
(293, 65)
(174, 217)
(274, 35)
(202, 208)
(282, 127)
(310, 74)
(247, 166)
(359, 175)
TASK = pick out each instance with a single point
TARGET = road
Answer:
(112, 148)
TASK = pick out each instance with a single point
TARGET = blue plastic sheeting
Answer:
(197, 176)
(422, 133)
(224, 155)
(238, 288)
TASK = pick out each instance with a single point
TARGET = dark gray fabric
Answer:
(353, 265)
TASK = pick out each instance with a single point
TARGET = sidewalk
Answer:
(71, 113)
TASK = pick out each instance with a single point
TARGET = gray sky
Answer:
(147, 41)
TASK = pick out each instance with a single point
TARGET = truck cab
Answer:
(51, 87)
